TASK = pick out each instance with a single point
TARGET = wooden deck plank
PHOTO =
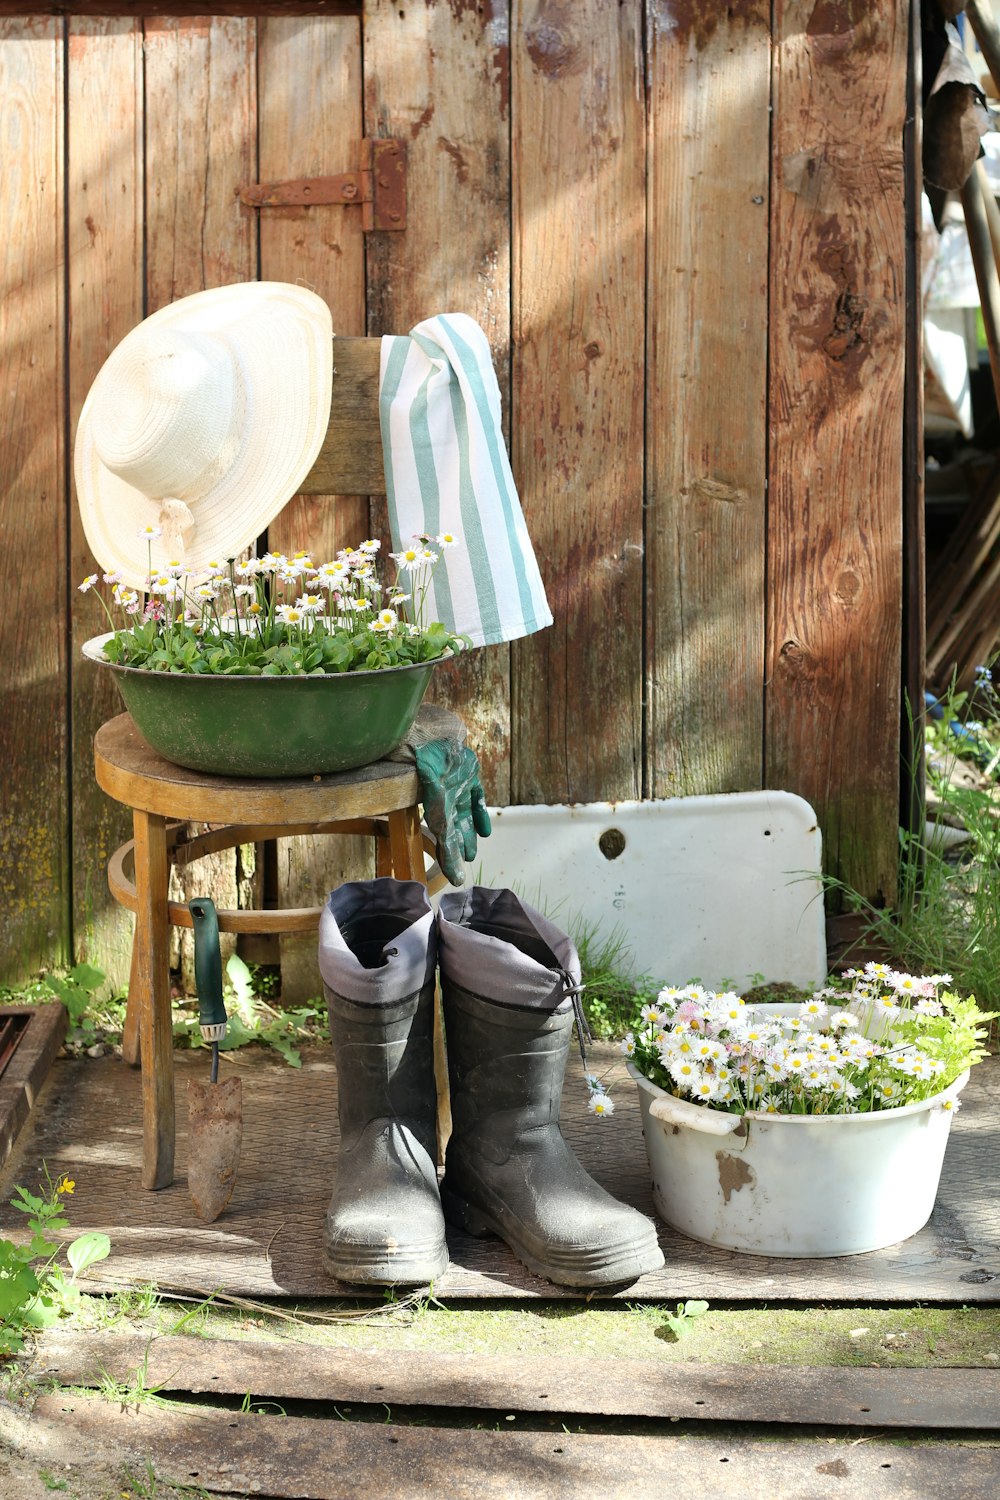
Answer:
(963, 1399)
(26, 1071)
(269, 1242)
(301, 1458)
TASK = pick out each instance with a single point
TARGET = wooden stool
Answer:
(380, 799)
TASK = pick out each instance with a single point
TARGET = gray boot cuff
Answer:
(496, 946)
(403, 956)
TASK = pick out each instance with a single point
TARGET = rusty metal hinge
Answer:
(379, 186)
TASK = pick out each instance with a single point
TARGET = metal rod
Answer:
(992, 211)
(987, 34)
(215, 1062)
(977, 228)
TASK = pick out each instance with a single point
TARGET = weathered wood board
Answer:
(104, 250)
(683, 319)
(269, 1242)
(310, 124)
(966, 1399)
(200, 83)
(578, 248)
(706, 319)
(438, 77)
(835, 408)
(302, 1458)
(22, 1078)
(34, 836)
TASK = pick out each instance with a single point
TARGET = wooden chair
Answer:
(381, 800)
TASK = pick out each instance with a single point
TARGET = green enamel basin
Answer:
(270, 726)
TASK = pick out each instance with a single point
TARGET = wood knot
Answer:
(848, 331)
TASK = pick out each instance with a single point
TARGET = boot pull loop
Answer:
(575, 993)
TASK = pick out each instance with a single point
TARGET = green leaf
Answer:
(237, 1035)
(88, 1250)
(16, 1291)
(42, 1313)
(240, 978)
(87, 976)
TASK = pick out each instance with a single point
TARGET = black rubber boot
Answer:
(507, 978)
(377, 951)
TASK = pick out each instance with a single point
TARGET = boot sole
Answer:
(563, 1268)
(376, 1265)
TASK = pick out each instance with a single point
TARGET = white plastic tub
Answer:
(794, 1185)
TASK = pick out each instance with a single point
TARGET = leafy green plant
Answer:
(681, 1321)
(946, 916)
(887, 1039)
(77, 989)
(34, 1291)
(253, 1019)
(609, 991)
(277, 616)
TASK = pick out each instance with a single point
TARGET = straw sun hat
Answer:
(203, 422)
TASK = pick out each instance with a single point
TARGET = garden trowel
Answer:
(215, 1110)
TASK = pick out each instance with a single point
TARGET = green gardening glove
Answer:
(450, 787)
(454, 805)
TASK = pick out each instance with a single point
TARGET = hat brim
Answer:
(282, 338)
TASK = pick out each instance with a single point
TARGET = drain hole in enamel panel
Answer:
(611, 843)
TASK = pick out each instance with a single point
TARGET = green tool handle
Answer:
(212, 1016)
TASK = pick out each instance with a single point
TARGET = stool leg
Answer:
(407, 850)
(151, 973)
(406, 845)
(130, 1031)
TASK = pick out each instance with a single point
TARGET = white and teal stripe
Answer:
(446, 469)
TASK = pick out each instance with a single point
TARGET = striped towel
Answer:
(446, 469)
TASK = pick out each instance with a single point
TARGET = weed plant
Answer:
(34, 1290)
(947, 914)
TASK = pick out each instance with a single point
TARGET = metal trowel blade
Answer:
(215, 1134)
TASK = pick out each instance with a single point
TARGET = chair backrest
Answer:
(350, 461)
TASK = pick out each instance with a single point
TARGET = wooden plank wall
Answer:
(681, 227)
(835, 423)
(34, 838)
(706, 397)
